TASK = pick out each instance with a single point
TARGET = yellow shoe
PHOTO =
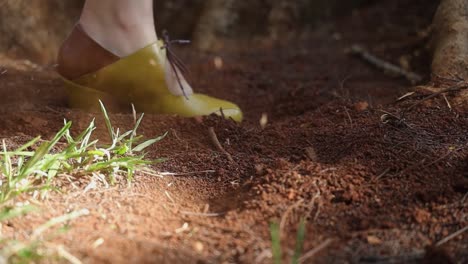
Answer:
(139, 79)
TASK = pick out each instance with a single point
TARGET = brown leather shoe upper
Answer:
(80, 55)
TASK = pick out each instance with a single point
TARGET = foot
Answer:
(81, 54)
(145, 78)
(99, 40)
(114, 55)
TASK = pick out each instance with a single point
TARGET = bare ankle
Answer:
(120, 26)
(80, 55)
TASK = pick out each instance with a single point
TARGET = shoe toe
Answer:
(232, 112)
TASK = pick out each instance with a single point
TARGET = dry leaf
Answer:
(373, 240)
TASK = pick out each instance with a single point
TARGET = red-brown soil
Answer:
(374, 190)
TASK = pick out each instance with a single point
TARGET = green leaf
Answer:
(148, 143)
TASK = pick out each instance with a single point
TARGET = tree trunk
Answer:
(450, 40)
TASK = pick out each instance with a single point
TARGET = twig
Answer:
(312, 201)
(218, 145)
(386, 66)
(185, 173)
(174, 132)
(286, 214)
(67, 255)
(53, 110)
(464, 198)
(441, 158)
(447, 101)
(134, 114)
(422, 162)
(311, 154)
(169, 197)
(451, 236)
(419, 254)
(349, 116)
(3, 72)
(202, 214)
(383, 174)
(406, 95)
(314, 251)
(457, 87)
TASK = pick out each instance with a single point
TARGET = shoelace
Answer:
(176, 63)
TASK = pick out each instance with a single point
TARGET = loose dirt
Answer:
(376, 184)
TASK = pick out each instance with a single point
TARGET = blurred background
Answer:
(34, 29)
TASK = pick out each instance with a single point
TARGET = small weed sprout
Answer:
(276, 251)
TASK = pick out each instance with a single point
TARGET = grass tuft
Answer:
(38, 165)
(24, 171)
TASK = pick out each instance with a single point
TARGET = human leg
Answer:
(115, 32)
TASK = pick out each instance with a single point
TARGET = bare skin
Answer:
(123, 27)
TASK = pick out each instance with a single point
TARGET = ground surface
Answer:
(374, 190)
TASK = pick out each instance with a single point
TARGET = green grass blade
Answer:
(67, 135)
(107, 120)
(156, 161)
(53, 169)
(275, 243)
(29, 166)
(21, 153)
(148, 143)
(124, 135)
(27, 254)
(59, 135)
(130, 172)
(86, 135)
(28, 144)
(299, 241)
(19, 163)
(90, 144)
(134, 134)
(9, 213)
(7, 166)
(124, 162)
(42, 151)
(59, 220)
